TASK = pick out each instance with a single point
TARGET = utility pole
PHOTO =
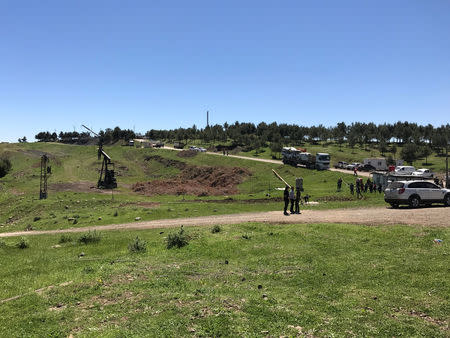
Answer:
(207, 118)
(447, 183)
(45, 172)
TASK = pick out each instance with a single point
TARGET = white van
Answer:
(404, 170)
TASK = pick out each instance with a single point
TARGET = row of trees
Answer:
(107, 136)
(419, 140)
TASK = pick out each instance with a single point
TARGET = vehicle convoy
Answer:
(294, 156)
(415, 193)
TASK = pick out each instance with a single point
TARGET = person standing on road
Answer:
(286, 200)
(297, 201)
(355, 173)
(292, 198)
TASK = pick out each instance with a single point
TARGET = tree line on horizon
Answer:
(423, 139)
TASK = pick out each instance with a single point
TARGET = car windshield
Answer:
(324, 157)
(396, 185)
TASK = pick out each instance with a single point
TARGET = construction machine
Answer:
(107, 180)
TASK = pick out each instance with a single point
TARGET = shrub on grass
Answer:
(137, 246)
(215, 229)
(116, 214)
(22, 244)
(65, 239)
(2, 244)
(5, 166)
(177, 240)
(90, 237)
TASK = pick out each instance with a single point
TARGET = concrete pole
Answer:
(447, 183)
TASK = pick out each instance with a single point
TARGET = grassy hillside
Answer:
(71, 202)
(246, 280)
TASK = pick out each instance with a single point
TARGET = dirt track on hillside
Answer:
(434, 216)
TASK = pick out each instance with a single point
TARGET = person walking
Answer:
(297, 201)
(355, 173)
(286, 200)
(292, 199)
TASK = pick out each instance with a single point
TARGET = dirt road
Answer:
(435, 216)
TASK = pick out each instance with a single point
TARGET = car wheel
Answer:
(447, 200)
(414, 202)
(394, 205)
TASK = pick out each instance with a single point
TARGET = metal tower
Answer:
(46, 170)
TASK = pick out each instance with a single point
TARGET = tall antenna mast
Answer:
(207, 118)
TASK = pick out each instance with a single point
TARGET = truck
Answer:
(295, 157)
(377, 163)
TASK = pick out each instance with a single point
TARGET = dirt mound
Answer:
(200, 181)
(187, 153)
(167, 162)
(75, 187)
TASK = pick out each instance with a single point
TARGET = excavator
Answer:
(107, 180)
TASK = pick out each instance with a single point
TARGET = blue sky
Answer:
(162, 64)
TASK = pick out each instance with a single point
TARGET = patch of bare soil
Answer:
(193, 180)
(232, 200)
(167, 162)
(187, 153)
(199, 181)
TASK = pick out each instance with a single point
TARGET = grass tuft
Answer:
(177, 240)
(90, 237)
(22, 244)
(215, 229)
(137, 246)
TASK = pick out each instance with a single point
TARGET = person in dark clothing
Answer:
(379, 188)
(292, 199)
(352, 187)
(286, 200)
(297, 201)
(339, 184)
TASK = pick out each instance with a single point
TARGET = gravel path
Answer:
(433, 216)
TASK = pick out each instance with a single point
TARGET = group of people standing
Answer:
(292, 197)
(364, 187)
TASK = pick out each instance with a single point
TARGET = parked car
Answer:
(352, 166)
(201, 149)
(423, 173)
(194, 148)
(415, 193)
(341, 165)
(404, 170)
(366, 167)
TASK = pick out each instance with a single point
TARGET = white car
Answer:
(202, 149)
(404, 170)
(423, 173)
(415, 193)
(353, 166)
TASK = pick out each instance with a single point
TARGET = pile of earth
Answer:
(167, 162)
(193, 180)
(187, 153)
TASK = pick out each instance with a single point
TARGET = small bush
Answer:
(90, 237)
(2, 244)
(23, 243)
(37, 218)
(215, 229)
(65, 239)
(5, 166)
(137, 246)
(116, 214)
(177, 240)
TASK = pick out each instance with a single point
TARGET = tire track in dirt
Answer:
(434, 216)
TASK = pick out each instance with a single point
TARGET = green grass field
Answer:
(246, 280)
(20, 207)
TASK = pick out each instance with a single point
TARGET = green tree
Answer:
(410, 152)
(426, 151)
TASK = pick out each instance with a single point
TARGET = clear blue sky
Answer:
(162, 64)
